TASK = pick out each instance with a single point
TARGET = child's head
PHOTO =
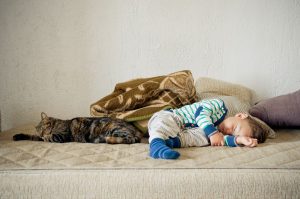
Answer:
(243, 125)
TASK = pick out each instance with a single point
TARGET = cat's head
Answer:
(49, 125)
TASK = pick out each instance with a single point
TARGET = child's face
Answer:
(236, 126)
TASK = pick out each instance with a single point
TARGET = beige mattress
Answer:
(39, 169)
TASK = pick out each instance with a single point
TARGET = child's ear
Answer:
(242, 115)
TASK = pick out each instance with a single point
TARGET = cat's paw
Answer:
(20, 136)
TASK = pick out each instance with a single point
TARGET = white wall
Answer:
(60, 56)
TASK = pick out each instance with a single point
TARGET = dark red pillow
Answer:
(282, 111)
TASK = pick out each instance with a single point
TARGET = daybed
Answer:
(81, 170)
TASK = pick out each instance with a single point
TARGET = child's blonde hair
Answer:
(258, 132)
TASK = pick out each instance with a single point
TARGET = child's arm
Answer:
(217, 139)
(234, 141)
(203, 118)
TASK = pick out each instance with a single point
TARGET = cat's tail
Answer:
(22, 136)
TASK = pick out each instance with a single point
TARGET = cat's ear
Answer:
(43, 115)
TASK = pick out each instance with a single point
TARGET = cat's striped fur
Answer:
(84, 129)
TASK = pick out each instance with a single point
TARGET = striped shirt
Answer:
(230, 140)
(207, 114)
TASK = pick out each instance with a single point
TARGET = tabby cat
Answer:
(84, 129)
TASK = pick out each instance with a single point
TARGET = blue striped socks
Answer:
(173, 142)
(159, 149)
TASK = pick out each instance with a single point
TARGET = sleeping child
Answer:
(200, 124)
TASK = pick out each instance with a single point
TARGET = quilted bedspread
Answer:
(46, 170)
(282, 152)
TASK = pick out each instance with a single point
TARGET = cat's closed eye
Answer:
(47, 123)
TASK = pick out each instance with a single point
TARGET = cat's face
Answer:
(50, 125)
(45, 126)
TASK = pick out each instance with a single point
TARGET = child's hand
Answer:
(247, 141)
(217, 139)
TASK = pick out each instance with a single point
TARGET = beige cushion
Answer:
(208, 87)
